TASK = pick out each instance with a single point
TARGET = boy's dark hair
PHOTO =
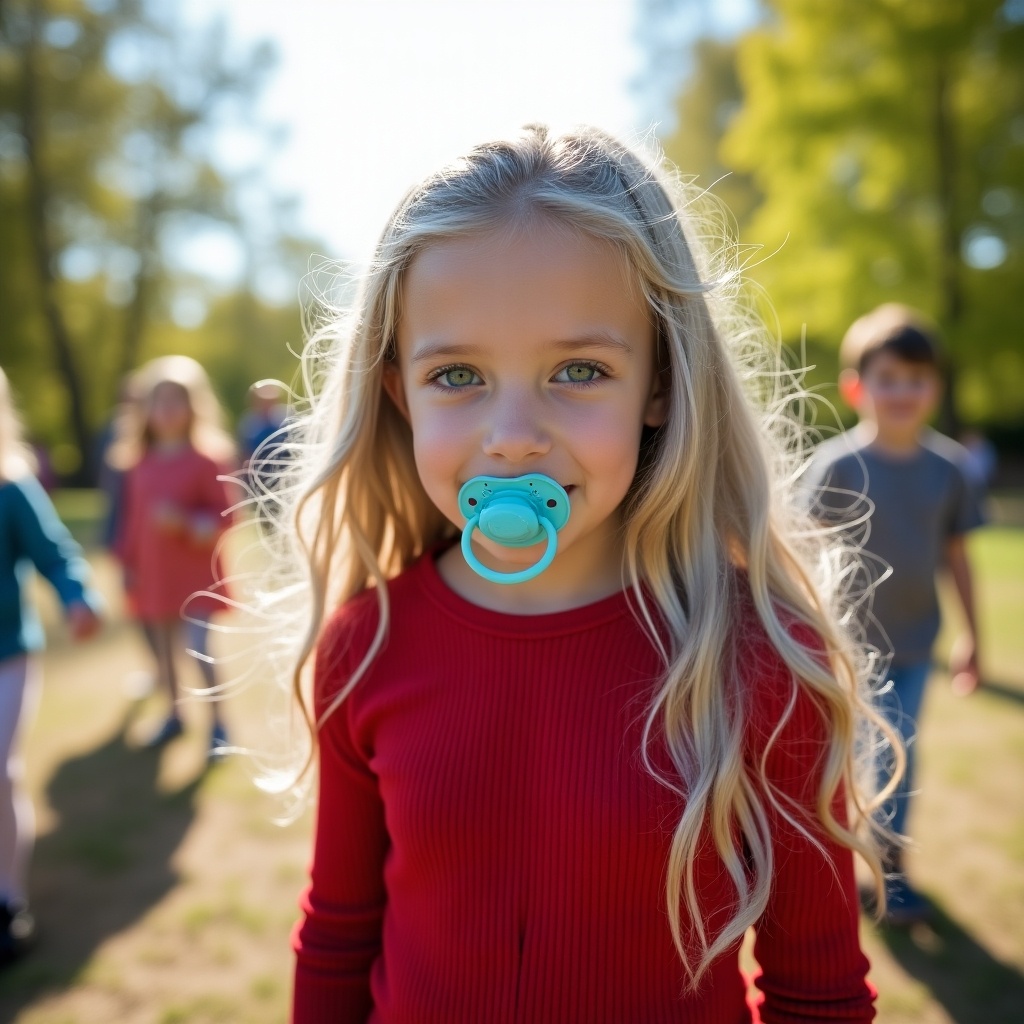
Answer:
(891, 328)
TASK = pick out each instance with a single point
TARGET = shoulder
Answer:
(140, 466)
(838, 460)
(25, 494)
(348, 633)
(844, 446)
(777, 706)
(943, 450)
(13, 490)
(200, 462)
(359, 616)
(15, 500)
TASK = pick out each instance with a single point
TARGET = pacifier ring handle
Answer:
(509, 577)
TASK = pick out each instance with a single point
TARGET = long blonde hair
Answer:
(719, 488)
(206, 434)
(17, 459)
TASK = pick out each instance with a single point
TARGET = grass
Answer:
(165, 895)
(968, 823)
(82, 511)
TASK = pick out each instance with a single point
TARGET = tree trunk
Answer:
(950, 268)
(135, 317)
(38, 201)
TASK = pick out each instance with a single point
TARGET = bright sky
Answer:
(373, 94)
(376, 93)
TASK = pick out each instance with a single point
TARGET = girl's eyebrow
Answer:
(596, 339)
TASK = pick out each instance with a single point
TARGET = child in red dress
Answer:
(175, 452)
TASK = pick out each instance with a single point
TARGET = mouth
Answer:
(568, 488)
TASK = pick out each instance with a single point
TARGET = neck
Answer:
(892, 441)
(579, 576)
(169, 445)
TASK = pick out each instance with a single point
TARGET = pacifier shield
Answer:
(533, 492)
(515, 512)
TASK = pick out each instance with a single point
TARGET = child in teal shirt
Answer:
(30, 534)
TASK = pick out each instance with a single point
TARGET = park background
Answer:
(870, 150)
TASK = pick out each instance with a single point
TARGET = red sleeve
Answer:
(207, 518)
(807, 945)
(124, 540)
(339, 937)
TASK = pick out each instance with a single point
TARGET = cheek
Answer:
(443, 430)
(441, 442)
(607, 442)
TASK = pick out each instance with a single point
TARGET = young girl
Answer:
(30, 533)
(173, 449)
(567, 799)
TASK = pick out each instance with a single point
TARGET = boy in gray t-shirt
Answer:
(904, 494)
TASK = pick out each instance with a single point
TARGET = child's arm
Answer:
(207, 521)
(963, 659)
(807, 945)
(964, 513)
(340, 936)
(45, 540)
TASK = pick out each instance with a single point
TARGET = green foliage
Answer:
(884, 144)
(710, 100)
(107, 117)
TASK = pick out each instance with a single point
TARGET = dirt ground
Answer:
(165, 893)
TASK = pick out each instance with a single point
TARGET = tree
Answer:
(106, 112)
(887, 141)
(710, 99)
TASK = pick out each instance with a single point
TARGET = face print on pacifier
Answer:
(515, 512)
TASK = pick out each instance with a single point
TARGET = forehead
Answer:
(541, 280)
(885, 362)
(169, 391)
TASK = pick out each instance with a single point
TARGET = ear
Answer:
(656, 409)
(394, 388)
(851, 387)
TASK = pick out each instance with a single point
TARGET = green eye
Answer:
(580, 373)
(458, 377)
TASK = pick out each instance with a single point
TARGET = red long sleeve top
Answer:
(490, 847)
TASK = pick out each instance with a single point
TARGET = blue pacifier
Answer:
(514, 511)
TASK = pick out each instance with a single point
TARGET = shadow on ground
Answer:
(972, 986)
(102, 867)
(1014, 694)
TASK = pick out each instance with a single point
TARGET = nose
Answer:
(515, 429)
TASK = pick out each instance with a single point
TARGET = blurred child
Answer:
(263, 420)
(923, 507)
(982, 459)
(30, 533)
(560, 779)
(111, 479)
(173, 451)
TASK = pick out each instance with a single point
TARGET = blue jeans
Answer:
(901, 706)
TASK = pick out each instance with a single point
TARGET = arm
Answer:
(807, 944)
(45, 540)
(963, 660)
(340, 936)
(208, 519)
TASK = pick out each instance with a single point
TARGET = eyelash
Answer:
(434, 379)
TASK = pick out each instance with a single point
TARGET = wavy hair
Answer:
(719, 488)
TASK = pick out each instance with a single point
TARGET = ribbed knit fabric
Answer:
(491, 849)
